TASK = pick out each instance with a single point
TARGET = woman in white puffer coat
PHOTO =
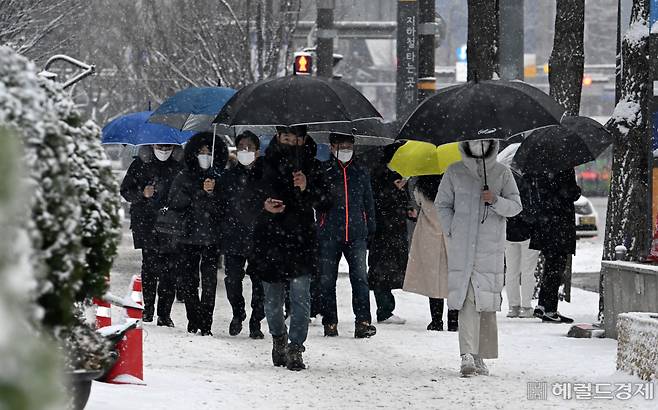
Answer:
(475, 236)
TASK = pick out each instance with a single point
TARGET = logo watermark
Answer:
(590, 391)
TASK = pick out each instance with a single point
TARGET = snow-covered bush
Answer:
(74, 201)
(29, 375)
(637, 344)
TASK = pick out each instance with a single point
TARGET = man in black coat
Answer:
(344, 230)
(195, 196)
(146, 186)
(285, 239)
(552, 196)
(389, 248)
(238, 184)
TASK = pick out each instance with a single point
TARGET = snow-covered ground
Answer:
(401, 367)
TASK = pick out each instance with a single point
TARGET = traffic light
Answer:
(303, 64)
(587, 80)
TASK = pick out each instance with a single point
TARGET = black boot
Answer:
(295, 361)
(436, 311)
(331, 330)
(165, 321)
(254, 330)
(279, 350)
(235, 327)
(453, 320)
(363, 330)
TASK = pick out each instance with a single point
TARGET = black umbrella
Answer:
(481, 110)
(296, 100)
(579, 140)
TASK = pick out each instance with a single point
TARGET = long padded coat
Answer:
(475, 233)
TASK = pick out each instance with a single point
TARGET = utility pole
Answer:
(427, 29)
(326, 34)
(406, 95)
(510, 52)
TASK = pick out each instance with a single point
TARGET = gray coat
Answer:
(476, 249)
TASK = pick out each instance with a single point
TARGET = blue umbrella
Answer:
(192, 109)
(133, 129)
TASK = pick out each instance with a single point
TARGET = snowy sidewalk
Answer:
(401, 367)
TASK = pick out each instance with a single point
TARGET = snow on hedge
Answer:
(74, 201)
(29, 366)
(637, 349)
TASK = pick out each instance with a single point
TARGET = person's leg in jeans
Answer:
(529, 259)
(300, 308)
(385, 303)
(233, 282)
(150, 268)
(273, 305)
(355, 254)
(167, 284)
(192, 258)
(554, 265)
(513, 255)
(208, 269)
(329, 256)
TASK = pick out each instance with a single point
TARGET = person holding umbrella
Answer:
(195, 197)
(146, 186)
(427, 268)
(344, 230)
(554, 234)
(285, 245)
(475, 197)
(389, 247)
(237, 230)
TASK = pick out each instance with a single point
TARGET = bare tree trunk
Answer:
(567, 60)
(627, 222)
(482, 43)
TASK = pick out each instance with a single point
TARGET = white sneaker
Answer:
(468, 365)
(526, 313)
(514, 311)
(480, 367)
(393, 320)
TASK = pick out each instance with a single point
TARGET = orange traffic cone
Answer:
(103, 313)
(129, 368)
(653, 255)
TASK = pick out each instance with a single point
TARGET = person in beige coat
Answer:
(427, 266)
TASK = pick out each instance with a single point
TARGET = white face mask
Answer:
(162, 155)
(246, 157)
(204, 160)
(478, 148)
(344, 155)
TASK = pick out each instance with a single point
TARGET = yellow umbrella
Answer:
(416, 158)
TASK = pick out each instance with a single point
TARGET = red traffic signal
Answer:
(303, 64)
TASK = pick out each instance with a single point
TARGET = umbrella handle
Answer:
(212, 150)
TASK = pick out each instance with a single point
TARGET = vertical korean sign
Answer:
(407, 58)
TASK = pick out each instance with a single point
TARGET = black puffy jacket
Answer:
(286, 245)
(200, 211)
(148, 170)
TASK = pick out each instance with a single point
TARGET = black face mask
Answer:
(289, 151)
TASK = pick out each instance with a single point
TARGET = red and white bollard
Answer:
(129, 368)
(103, 313)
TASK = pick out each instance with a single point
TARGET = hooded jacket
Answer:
(147, 170)
(285, 245)
(200, 211)
(475, 233)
